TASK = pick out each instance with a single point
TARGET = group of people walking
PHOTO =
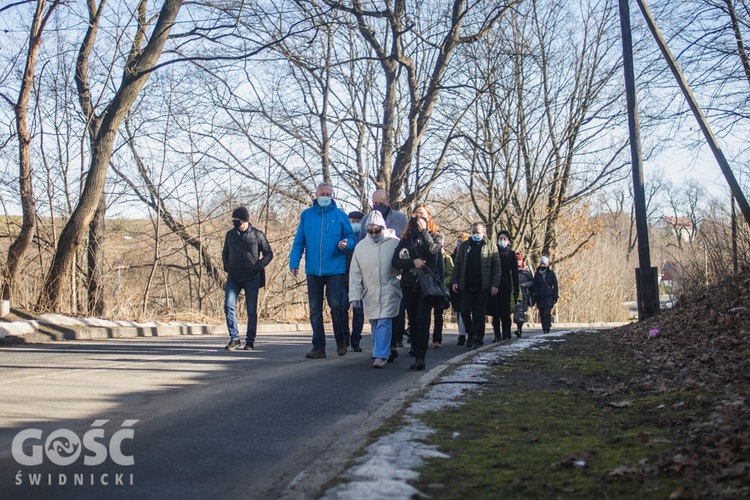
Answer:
(378, 265)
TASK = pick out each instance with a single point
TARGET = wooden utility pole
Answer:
(647, 282)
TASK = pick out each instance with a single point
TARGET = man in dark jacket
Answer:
(245, 255)
(476, 275)
(353, 335)
(500, 305)
(546, 292)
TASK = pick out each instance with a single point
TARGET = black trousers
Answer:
(437, 332)
(399, 323)
(545, 316)
(473, 312)
(503, 316)
(420, 316)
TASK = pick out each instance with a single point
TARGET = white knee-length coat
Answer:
(372, 278)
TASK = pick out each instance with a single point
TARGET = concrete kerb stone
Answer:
(59, 327)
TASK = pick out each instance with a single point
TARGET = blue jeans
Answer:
(333, 287)
(233, 289)
(382, 330)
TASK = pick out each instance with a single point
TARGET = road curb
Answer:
(57, 328)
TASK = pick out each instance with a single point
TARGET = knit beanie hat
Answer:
(376, 219)
(241, 214)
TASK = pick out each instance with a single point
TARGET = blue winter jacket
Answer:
(318, 235)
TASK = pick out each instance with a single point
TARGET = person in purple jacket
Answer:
(324, 236)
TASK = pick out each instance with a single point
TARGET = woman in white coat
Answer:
(374, 284)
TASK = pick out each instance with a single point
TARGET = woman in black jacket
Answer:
(500, 305)
(417, 252)
(546, 292)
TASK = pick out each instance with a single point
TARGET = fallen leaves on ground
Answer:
(702, 347)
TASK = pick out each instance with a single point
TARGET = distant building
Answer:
(682, 227)
(669, 275)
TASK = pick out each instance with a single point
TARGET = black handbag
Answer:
(432, 288)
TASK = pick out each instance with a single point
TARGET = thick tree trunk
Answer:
(21, 244)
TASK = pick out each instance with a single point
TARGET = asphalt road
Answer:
(203, 422)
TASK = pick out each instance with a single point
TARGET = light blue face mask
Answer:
(324, 201)
(376, 240)
(477, 237)
(356, 226)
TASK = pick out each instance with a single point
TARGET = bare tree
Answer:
(22, 242)
(538, 139)
(141, 62)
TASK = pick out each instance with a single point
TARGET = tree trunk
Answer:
(94, 253)
(744, 59)
(21, 244)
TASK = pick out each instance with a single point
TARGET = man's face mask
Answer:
(380, 207)
(324, 201)
(356, 226)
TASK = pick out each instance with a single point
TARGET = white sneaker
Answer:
(379, 363)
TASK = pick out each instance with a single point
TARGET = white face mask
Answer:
(503, 243)
(324, 201)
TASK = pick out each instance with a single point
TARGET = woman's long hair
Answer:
(432, 228)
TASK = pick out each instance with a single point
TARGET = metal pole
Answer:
(697, 112)
(646, 277)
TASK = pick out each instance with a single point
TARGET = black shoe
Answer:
(418, 365)
(249, 346)
(411, 352)
(393, 356)
(496, 339)
(461, 340)
(399, 344)
(315, 354)
(356, 348)
(477, 344)
(232, 345)
(341, 349)
(346, 342)
(469, 342)
(518, 333)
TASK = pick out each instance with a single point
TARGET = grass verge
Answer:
(559, 423)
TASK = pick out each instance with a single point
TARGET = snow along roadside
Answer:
(392, 461)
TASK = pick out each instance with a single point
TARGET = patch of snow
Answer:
(17, 328)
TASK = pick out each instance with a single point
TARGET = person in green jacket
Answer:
(476, 276)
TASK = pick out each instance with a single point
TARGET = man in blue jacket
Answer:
(324, 235)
